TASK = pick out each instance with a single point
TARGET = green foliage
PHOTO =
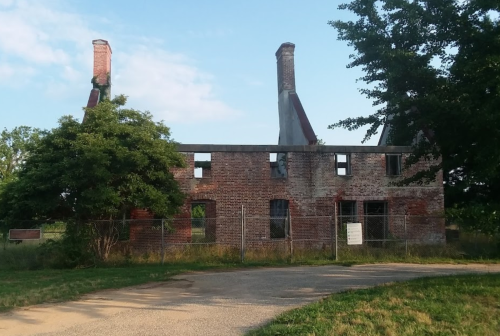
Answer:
(120, 100)
(71, 251)
(433, 68)
(198, 211)
(320, 142)
(14, 149)
(103, 89)
(476, 217)
(118, 159)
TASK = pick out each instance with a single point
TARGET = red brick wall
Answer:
(145, 231)
(102, 61)
(239, 178)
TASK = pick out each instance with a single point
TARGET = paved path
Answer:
(217, 303)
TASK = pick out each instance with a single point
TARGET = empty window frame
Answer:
(376, 220)
(393, 164)
(277, 163)
(278, 210)
(202, 165)
(198, 220)
(343, 164)
(203, 221)
(347, 212)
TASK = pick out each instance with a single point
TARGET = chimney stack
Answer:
(286, 68)
(102, 64)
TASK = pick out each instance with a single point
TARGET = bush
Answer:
(73, 250)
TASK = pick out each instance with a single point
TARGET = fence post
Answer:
(406, 237)
(336, 221)
(290, 233)
(162, 241)
(242, 233)
(332, 237)
(124, 222)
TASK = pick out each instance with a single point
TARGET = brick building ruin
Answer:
(295, 178)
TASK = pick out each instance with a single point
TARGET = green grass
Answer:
(455, 305)
(19, 256)
(23, 288)
(22, 282)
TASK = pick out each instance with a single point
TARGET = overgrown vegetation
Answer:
(453, 305)
(65, 253)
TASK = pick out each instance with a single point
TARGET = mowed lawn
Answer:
(454, 305)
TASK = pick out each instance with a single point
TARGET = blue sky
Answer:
(207, 68)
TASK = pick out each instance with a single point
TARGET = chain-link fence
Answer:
(189, 239)
(380, 234)
(250, 237)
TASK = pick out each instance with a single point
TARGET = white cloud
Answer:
(21, 39)
(168, 86)
(37, 33)
(6, 3)
(57, 42)
(34, 34)
(6, 71)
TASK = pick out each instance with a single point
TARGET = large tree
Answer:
(118, 159)
(432, 67)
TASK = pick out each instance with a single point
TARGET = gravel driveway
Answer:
(211, 303)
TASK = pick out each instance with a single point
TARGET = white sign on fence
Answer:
(354, 234)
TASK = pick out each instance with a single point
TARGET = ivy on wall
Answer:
(103, 88)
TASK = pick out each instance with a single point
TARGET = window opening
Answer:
(347, 212)
(279, 218)
(393, 164)
(203, 221)
(202, 165)
(343, 164)
(198, 216)
(277, 163)
(376, 220)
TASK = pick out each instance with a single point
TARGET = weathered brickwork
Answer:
(286, 67)
(102, 61)
(312, 187)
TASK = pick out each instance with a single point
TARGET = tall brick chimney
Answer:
(295, 128)
(286, 68)
(101, 74)
(102, 63)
